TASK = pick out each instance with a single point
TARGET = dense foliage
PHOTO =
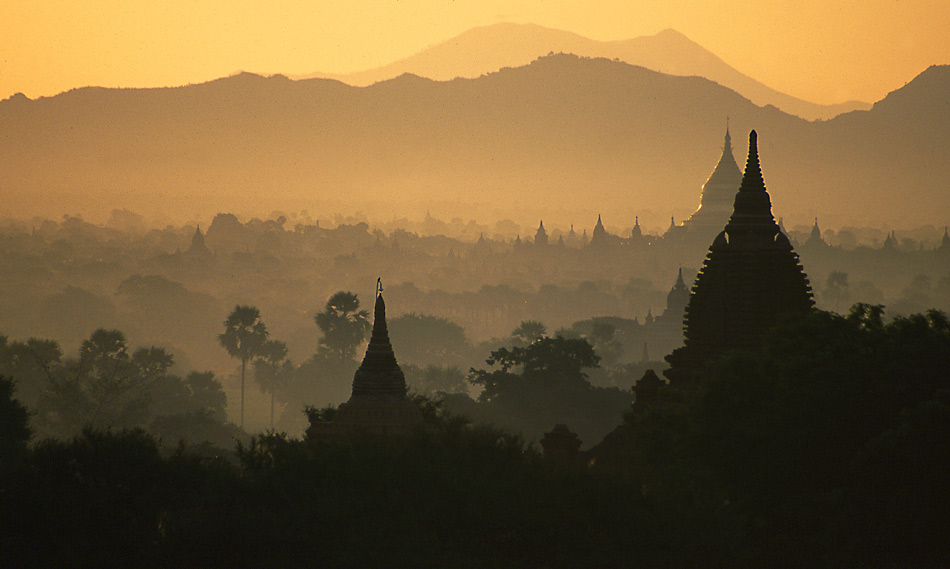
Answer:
(110, 384)
(830, 446)
(827, 449)
(538, 385)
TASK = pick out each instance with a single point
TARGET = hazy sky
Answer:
(825, 51)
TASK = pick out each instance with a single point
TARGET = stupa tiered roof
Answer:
(751, 276)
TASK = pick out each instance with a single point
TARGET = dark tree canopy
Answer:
(529, 331)
(343, 324)
(815, 440)
(544, 383)
(422, 339)
(14, 423)
(244, 333)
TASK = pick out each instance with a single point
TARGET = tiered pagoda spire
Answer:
(598, 237)
(198, 249)
(751, 277)
(379, 377)
(678, 297)
(815, 239)
(541, 237)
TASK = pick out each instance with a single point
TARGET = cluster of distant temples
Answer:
(750, 279)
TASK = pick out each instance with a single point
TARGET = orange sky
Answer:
(825, 51)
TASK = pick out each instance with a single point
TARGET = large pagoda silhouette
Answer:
(750, 278)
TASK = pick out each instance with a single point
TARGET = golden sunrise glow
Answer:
(822, 51)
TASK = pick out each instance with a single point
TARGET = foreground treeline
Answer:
(827, 449)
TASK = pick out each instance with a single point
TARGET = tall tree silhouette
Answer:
(110, 381)
(272, 370)
(244, 335)
(343, 324)
(836, 288)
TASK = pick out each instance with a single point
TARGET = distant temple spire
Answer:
(678, 297)
(198, 248)
(718, 193)
(379, 377)
(598, 237)
(541, 237)
(890, 242)
(815, 240)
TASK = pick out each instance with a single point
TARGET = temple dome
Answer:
(718, 193)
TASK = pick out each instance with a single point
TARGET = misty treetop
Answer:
(111, 385)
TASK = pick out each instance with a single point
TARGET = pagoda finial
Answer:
(379, 286)
(727, 145)
(752, 178)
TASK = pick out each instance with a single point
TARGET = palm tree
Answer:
(244, 334)
(529, 331)
(272, 369)
(343, 324)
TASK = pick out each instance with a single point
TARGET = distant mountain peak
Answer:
(487, 49)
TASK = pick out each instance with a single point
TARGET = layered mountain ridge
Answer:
(487, 49)
(563, 137)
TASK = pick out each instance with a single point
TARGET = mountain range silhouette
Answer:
(487, 49)
(563, 137)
